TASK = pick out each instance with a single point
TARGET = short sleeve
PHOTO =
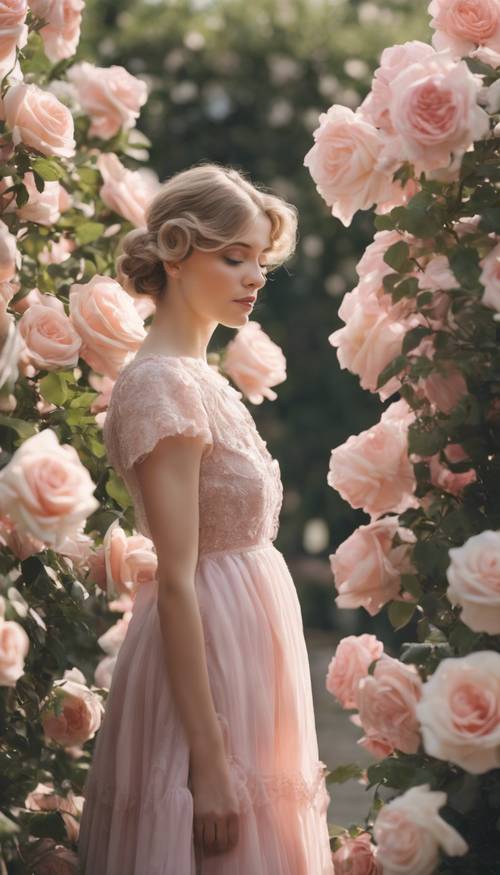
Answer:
(157, 398)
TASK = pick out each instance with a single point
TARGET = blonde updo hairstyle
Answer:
(205, 207)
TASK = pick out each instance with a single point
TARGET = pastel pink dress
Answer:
(138, 812)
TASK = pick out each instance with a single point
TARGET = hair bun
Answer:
(139, 267)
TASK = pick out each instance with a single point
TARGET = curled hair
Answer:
(205, 207)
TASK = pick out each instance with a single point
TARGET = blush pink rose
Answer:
(9, 255)
(57, 251)
(14, 647)
(459, 711)
(131, 562)
(70, 807)
(409, 833)
(255, 363)
(435, 114)
(50, 337)
(386, 701)
(13, 32)
(108, 323)
(372, 470)
(47, 857)
(46, 490)
(97, 568)
(81, 711)
(77, 548)
(474, 581)
(61, 34)
(43, 206)
(367, 568)
(111, 640)
(19, 542)
(461, 25)
(104, 672)
(490, 278)
(444, 390)
(127, 192)
(111, 96)
(451, 481)
(356, 856)
(343, 163)
(39, 120)
(352, 659)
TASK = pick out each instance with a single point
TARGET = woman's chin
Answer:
(235, 321)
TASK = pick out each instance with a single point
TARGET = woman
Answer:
(207, 758)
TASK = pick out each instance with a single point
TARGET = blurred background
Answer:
(243, 83)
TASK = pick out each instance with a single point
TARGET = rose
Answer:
(435, 114)
(474, 581)
(255, 363)
(57, 251)
(367, 568)
(111, 640)
(451, 481)
(9, 256)
(352, 659)
(490, 278)
(460, 711)
(48, 858)
(13, 32)
(445, 390)
(109, 95)
(104, 672)
(42, 206)
(80, 711)
(343, 163)
(409, 832)
(21, 544)
(356, 856)
(108, 323)
(70, 807)
(39, 120)
(461, 25)
(46, 490)
(387, 700)
(372, 470)
(14, 646)
(127, 192)
(78, 549)
(61, 34)
(131, 562)
(50, 337)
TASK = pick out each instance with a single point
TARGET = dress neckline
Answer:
(190, 358)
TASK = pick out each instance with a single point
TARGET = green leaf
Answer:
(465, 265)
(397, 256)
(384, 223)
(54, 388)
(39, 181)
(392, 370)
(412, 338)
(400, 613)
(344, 773)
(426, 443)
(22, 195)
(87, 232)
(24, 429)
(48, 169)
(490, 219)
(411, 584)
(408, 288)
(116, 490)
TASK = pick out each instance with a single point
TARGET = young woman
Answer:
(207, 758)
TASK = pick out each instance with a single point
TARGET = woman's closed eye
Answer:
(263, 267)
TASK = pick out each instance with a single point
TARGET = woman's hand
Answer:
(216, 818)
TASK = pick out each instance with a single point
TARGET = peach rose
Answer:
(80, 711)
(46, 857)
(77, 548)
(13, 32)
(461, 25)
(111, 96)
(474, 581)
(111, 640)
(352, 659)
(343, 163)
(14, 646)
(372, 470)
(460, 711)
(43, 206)
(387, 700)
(127, 192)
(131, 562)
(490, 278)
(70, 807)
(356, 856)
(437, 275)
(409, 832)
(451, 481)
(57, 251)
(435, 114)
(9, 255)
(39, 120)
(104, 672)
(50, 337)
(367, 568)
(103, 385)
(20, 543)
(46, 490)
(108, 323)
(255, 363)
(61, 34)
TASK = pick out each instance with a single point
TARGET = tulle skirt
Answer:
(138, 813)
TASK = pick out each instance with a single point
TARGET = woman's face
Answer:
(213, 284)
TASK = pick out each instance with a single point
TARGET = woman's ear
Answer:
(172, 268)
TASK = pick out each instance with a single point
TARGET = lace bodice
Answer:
(240, 484)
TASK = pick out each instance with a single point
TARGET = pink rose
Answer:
(46, 857)
(131, 562)
(103, 385)
(104, 672)
(14, 646)
(46, 490)
(409, 832)
(490, 278)
(108, 323)
(77, 548)
(387, 700)
(460, 711)
(39, 120)
(20, 543)
(111, 640)
(70, 807)
(109, 95)
(352, 659)
(50, 337)
(81, 711)
(255, 363)
(57, 251)
(451, 481)
(367, 568)
(61, 34)
(435, 114)
(9, 255)
(97, 568)
(43, 206)
(444, 390)
(372, 470)
(343, 163)
(461, 25)
(356, 856)
(474, 581)
(127, 192)
(437, 275)
(13, 32)
(35, 296)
